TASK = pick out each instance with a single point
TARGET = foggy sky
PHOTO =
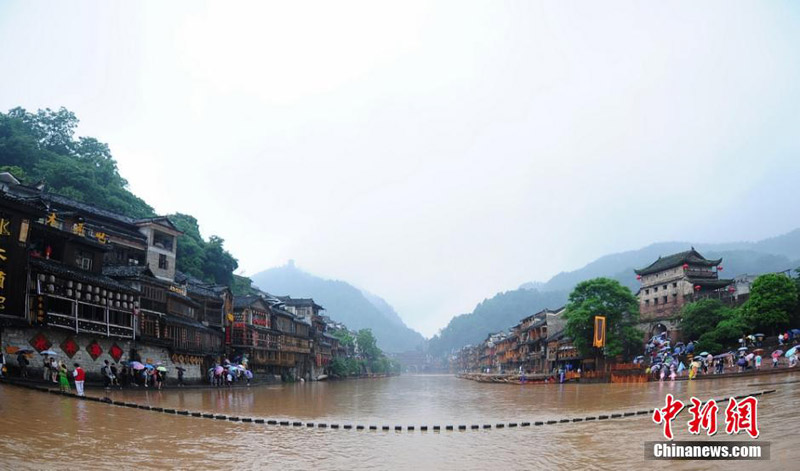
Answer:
(438, 153)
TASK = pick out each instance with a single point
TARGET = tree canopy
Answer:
(42, 147)
(772, 305)
(604, 297)
(701, 317)
(207, 260)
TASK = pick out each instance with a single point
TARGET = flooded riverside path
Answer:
(46, 431)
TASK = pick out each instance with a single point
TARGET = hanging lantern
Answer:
(719, 268)
(638, 277)
(685, 266)
(697, 287)
(47, 252)
(731, 289)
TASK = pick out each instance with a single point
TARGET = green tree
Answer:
(772, 306)
(725, 334)
(604, 297)
(207, 260)
(367, 345)
(702, 317)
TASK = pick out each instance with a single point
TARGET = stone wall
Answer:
(19, 337)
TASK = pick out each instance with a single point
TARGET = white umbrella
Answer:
(49, 352)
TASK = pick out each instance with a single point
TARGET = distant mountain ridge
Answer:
(768, 255)
(344, 303)
(506, 309)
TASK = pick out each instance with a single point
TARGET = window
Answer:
(655, 300)
(162, 262)
(665, 300)
(665, 287)
(655, 289)
(83, 259)
(162, 241)
(646, 302)
(675, 285)
(647, 291)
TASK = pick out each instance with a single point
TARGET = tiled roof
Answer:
(709, 283)
(126, 271)
(691, 257)
(299, 302)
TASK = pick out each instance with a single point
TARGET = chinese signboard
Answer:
(13, 259)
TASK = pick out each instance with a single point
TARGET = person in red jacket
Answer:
(80, 377)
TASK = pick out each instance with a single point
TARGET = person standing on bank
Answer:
(2, 364)
(23, 365)
(107, 375)
(63, 380)
(80, 377)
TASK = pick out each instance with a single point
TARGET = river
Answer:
(45, 431)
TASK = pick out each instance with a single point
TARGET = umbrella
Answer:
(248, 374)
(704, 354)
(758, 351)
(681, 367)
(218, 370)
(161, 368)
(184, 369)
(24, 351)
(749, 356)
(136, 365)
(149, 366)
(679, 344)
(742, 349)
(49, 352)
(795, 331)
(791, 352)
(777, 353)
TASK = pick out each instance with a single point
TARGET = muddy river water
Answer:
(45, 431)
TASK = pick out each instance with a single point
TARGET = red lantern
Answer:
(47, 251)
(697, 287)
(638, 277)
(685, 266)
(731, 289)
(719, 268)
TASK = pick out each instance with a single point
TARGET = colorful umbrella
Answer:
(136, 365)
(161, 368)
(777, 353)
(791, 352)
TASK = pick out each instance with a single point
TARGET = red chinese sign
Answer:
(40, 342)
(94, 349)
(116, 352)
(739, 416)
(69, 346)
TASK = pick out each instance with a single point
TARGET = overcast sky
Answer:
(437, 153)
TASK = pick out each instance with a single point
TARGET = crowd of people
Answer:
(227, 374)
(671, 361)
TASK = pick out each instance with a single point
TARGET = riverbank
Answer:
(515, 378)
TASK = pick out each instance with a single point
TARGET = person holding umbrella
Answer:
(180, 375)
(23, 364)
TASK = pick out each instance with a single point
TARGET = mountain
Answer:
(343, 303)
(768, 255)
(498, 313)
(506, 309)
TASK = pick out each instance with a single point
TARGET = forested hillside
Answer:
(343, 303)
(41, 147)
